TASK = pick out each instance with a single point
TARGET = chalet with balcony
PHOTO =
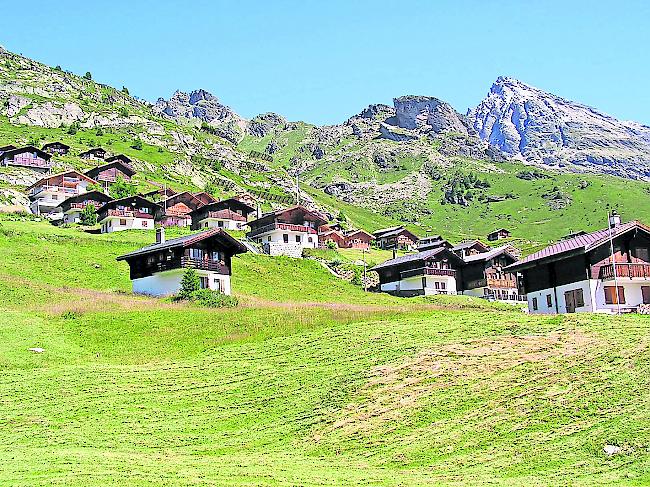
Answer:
(499, 234)
(178, 209)
(230, 214)
(287, 232)
(94, 154)
(357, 239)
(131, 213)
(58, 148)
(470, 248)
(205, 197)
(158, 269)
(48, 193)
(72, 207)
(484, 275)
(396, 238)
(109, 173)
(27, 157)
(604, 271)
(330, 236)
(431, 242)
(435, 271)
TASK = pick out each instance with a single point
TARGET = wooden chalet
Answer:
(230, 214)
(58, 148)
(130, 213)
(581, 274)
(436, 271)
(469, 248)
(119, 157)
(110, 172)
(499, 234)
(178, 209)
(158, 269)
(484, 275)
(94, 154)
(357, 239)
(330, 235)
(395, 238)
(72, 207)
(28, 157)
(288, 231)
(206, 198)
(48, 193)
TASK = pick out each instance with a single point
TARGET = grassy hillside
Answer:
(296, 387)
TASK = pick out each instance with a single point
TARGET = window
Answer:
(436, 285)
(205, 225)
(122, 221)
(285, 237)
(220, 224)
(443, 285)
(534, 304)
(204, 282)
(268, 238)
(297, 238)
(310, 239)
(218, 286)
(645, 293)
(611, 295)
(217, 256)
(641, 253)
(196, 254)
(549, 301)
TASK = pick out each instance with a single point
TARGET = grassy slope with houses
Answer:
(317, 384)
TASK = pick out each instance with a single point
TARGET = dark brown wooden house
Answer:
(395, 238)
(484, 275)
(130, 213)
(72, 207)
(96, 153)
(110, 172)
(58, 148)
(230, 214)
(178, 209)
(158, 268)
(499, 234)
(28, 157)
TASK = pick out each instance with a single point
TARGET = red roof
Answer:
(581, 243)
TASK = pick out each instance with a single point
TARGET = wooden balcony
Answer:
(428, 271)
(281, 226)
(204, 265)
(624, 270)
(29, 161)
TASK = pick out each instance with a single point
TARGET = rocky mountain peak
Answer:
(428, 114)
(200, 105)
(545, 129)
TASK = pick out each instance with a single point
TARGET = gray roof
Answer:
(187, 241)
(469, 244)
(409, 258)
(504, 249)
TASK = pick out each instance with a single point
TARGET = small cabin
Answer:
(178, 209)
(331, 236)
(27, 157)
(357, 239)
(130, 213)
(470, 248)
(58, 148)
(396, 238)
(484, 275)
(499, 234)
(110, 172)
(94, 154)
(72, 207)
(230, 214)
(158, 269)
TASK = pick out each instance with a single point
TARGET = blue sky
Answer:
(322, 61)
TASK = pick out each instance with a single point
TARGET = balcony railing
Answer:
(130, 214)
(639, 271)
(281, 226)
(502, 283)
(428, 271)
(205, 265)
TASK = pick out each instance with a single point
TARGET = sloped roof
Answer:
(61, 174)
(469, 244)
(391, 232)
(224, 204)
(382, 231)
(119, 157)
(580, 243)
(427, 254)
(50, 144)
(94, 149)
(124, 167)
(504, 249)
(188, 240)
(354, 232)
(129, 199)
(28, 148)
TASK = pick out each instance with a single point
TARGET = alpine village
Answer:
(414, 295)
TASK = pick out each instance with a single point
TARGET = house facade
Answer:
(94, 154)
(498, 234)
(287, 232)
(109, 173)
(178, 209)
(331, 236)
(157, 270)
(396, 238)
(131, 213)
(48, 193)
(357, 239)
(484, 275)
(72, 207)
(27, 157)
(230, 214)
(606, 271)
(58, 148)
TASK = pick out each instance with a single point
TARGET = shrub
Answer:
(124, 112)
(88, 215)
(213, 299)
(331, 245)
(99, 132)
(122, 189)
(137, 144)
(125, 90)
(189, 284)
(74, 128)
(88, 75)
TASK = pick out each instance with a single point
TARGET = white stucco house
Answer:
(131, 213)
(607, 271)
(157, 270)
(229, 214)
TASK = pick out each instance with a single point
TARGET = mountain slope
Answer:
(542, 128)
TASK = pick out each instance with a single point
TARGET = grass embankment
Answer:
(136, 391)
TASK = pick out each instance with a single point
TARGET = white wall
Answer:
(225, 224)
(633, 295)
(542, 307)
(112, 224)
(72, 217)
(169, 282)
(274, 242)
(415, 283)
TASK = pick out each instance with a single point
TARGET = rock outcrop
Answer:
(428, 114)
(544, 129)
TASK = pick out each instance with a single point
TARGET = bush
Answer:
(122, 189)
(74, 127)
(189, 284)
(331, 245)
(213, 299)
(88, 215)
(88, 75)
(137, 144)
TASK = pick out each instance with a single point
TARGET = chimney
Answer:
(259, 211)
(160, 235)
(614, 219)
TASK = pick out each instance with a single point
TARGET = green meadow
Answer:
(309, 381)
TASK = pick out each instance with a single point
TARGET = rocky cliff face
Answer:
(545, 129)
(428, 114)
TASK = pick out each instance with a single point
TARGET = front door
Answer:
(570, 301)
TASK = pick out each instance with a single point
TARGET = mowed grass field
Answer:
(308, 382)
